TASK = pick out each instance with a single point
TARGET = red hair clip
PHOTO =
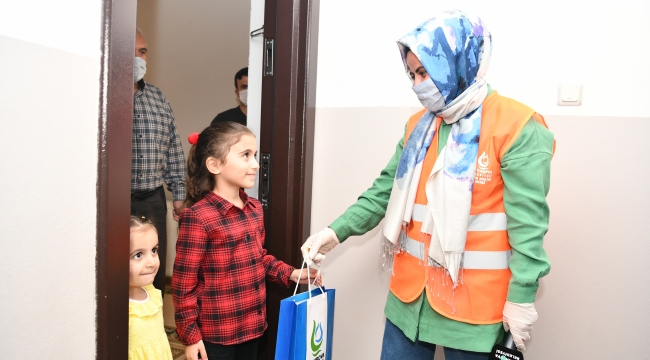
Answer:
(193, 138)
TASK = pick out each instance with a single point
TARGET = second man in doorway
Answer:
(237, 114)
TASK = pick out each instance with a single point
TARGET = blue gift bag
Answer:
(306, 326)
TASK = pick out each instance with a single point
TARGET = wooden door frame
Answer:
(288, 112)
(287, 135)
(114, 178)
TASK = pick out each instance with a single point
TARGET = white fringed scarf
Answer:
(464, 46)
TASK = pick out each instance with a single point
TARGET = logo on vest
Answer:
(483, 173)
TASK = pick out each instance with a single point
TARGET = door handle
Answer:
(265, 174)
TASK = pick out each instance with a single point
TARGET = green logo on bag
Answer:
(316, 339)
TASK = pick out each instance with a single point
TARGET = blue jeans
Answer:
(396, 346)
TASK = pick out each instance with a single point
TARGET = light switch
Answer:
(569, 95)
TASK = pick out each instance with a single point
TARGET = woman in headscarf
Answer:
(463, 201)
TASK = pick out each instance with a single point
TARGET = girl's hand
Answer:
(302, 278)
(191, 351)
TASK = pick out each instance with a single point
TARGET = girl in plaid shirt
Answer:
(218, 285)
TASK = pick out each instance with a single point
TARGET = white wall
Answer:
(536, 46)
(48, 141)
(594, 302)
(255, 53)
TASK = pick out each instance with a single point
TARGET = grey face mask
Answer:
(139, 69)
(429, 95)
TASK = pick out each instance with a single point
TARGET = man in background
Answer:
(157, 156)
(237, 114)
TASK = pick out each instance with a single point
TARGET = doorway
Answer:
(194, 51)
(287, 98)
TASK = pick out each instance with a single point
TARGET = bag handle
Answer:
(308, 280)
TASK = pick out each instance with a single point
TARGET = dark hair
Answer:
(141, 223)
(214, 141)
(240, 74)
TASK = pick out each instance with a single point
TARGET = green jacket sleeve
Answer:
(370, 207)
(526, 172)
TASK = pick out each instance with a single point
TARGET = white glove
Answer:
(317, 245)
(519, 319)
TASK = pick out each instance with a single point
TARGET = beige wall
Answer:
(593, 304)
(597, 292)
(48, 140)
(195, 49)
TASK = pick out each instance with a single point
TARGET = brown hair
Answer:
(215, 141)
(139, 223)
(240, 75)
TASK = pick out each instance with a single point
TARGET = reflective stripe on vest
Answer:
(480, 222)
(474, 260)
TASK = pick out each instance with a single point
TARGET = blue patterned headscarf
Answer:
(454, 48)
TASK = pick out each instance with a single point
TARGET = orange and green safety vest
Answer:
(504, 239)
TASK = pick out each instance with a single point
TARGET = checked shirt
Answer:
(157, 154)
(218, 286)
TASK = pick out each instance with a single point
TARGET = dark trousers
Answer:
(243, 351)
(153, 205)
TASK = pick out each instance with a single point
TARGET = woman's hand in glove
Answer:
(519, 319)
(317, 245)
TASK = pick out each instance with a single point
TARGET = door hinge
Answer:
(269, 45)
(265, 174)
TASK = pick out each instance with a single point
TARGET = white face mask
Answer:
(139, 69)
(243, 97)
(429, 95)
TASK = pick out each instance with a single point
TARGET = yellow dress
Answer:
(147, 338)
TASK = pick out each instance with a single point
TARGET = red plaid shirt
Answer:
(218, 285)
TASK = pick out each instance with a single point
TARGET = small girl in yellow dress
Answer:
(147, 338)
